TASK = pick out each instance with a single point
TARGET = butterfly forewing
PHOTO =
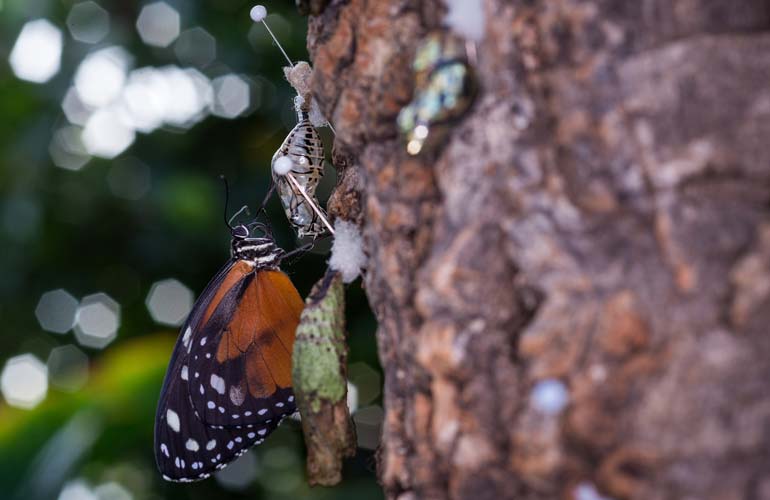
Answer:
(241, 364)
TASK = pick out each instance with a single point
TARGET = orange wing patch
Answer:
(263, 329)
(239, 271)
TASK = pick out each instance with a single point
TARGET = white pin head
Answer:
(258, 13)
(282, 165)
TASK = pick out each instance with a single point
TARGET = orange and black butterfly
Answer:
(228, 383)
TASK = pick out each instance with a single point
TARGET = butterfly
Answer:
(228, 384)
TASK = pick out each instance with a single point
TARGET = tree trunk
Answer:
(599, 217)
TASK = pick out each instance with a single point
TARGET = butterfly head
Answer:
(260, 250)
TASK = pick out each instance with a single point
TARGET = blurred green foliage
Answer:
(68, 229)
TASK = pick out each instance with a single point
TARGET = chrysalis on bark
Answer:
(319, 377)
(304, 148)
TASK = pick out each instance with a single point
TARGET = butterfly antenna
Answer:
(258, 14)
(227, 200)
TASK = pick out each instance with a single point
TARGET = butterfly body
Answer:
(228, 384)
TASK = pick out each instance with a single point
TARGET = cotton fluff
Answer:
(258, 13)
(466, 18)
(347, 250)
(282, 165)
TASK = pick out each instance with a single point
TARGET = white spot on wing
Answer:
(230, 445)
(218, 383)
(185, 375)
(251, 435)
(210, 405)
(192, 445)
(203, 341)
(186, 338)
(211, 444)
(164, 449)
(172, 419)
(262, 411)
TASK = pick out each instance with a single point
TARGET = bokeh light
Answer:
(112, 491)
(129, 178)
(56, 310)
(233, 96)
(101, 75)
(107, 134)
(587, 491)
(367, 380)
(368, 422)
(67, 368)
(158, 24)
(352, 399)
(239, 474)
(36, 55)
(196, 47)
(88, 22)
(550, 396)
(24, 381)
(77, 490)
(97, 321)
(169, 302)
(75, 110)
(67, 149)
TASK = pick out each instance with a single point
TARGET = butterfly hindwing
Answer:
(186, 449)
(240, 365)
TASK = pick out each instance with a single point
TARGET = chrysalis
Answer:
(303, 146)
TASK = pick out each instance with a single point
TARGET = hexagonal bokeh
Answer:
(97, 321)
(367, 381)
(67, 368)
(129, 178)
(112, 491)
(107, 134)
(88, 22)
(56, 310)
(75, 110)
(101, 75)
(77, 489)
(169, 302)
(36, 55)
(196, 47)
(67, 150)
(232, 96)
(368, 426)
(158, 24)
(239, 474)
(24, 381)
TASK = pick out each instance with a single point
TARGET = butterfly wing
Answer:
(240, 369)
(187, 447)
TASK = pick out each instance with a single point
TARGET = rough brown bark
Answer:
(600, 216)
